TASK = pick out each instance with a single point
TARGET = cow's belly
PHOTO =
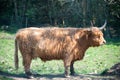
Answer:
(44, 55)
(50, 52)
(50, 57)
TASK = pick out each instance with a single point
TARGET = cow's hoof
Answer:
(30, 76)
(67, 76)
(72, 74)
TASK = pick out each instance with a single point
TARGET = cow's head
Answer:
(95, 36)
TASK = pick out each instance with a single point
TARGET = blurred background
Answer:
(15, 14)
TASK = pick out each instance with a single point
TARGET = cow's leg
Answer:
(72, 72)
(67, 71)
(67, 67)
(26, 63)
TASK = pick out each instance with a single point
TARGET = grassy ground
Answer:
(96, 60)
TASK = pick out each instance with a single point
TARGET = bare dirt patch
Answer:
(59, 77)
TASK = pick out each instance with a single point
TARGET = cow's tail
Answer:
(16, 55)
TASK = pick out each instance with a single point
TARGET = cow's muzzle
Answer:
(104, 42)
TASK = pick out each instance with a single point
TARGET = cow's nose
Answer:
(104, 41)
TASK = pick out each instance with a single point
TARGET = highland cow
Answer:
(67, 44)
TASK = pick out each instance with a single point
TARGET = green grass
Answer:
(96, 59)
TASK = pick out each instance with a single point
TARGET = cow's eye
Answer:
(97, 36)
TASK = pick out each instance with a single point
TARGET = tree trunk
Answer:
(84, 5)
(16, 12)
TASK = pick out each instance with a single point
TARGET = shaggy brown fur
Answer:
(67, 44)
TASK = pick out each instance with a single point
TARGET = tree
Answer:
(113, 7)
(64, 13)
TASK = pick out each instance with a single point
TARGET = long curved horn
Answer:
(102, 27)
(91, 23)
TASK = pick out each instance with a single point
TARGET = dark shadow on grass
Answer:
(2, 73)
(77, 77)
(59, 76)
(22, 75)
